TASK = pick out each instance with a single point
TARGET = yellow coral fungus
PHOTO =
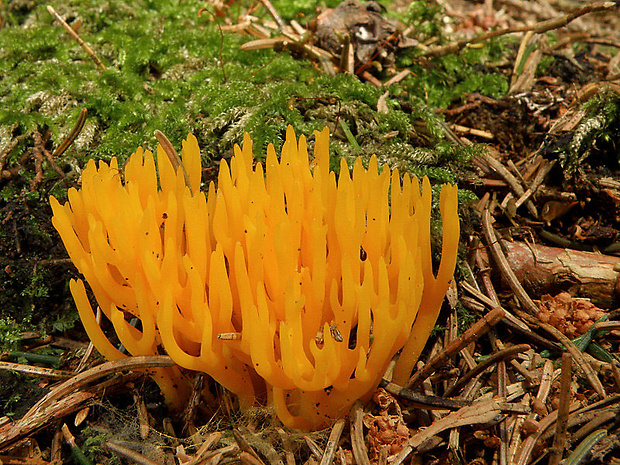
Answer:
(321, 281)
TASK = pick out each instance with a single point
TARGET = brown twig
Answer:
(347, 58)
(248, 459)
(98, 372)
(559, 441)
(69, 438)
(472, 334)
(516, 440)
(63, 406)
(73, 34)
(397, 78)
(263, 446)
(37, 154)
(472, 131)
(203, 452)
(504, 266)
(482, 366)
(599, 418)
(510, 178)
(274, 14)
(143, 416)
(370, 78)
(542, 173)
(56, 447)
(452, 333)
(480, 412)
(315, 449)
(528, 445)
(590, 415)
(502, 391)
(423, 401)
(514, 323)
(287, 445)
(246, 448)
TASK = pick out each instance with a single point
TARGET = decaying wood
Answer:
(550, 270)
(10, 433)
(69, 397)
(35, 371)
(100, 371)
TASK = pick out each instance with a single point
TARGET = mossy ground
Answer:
(169, 68)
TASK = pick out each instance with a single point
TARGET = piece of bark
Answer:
(550, 270)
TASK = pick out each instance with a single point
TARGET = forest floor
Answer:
(518, 102)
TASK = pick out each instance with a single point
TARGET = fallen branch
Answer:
(542, 270)
(10, 433)
(68, 397)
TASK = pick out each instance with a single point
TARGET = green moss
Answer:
(425, 17)
(597, 133)
(302, 9)
(172, 70)
(10, 334)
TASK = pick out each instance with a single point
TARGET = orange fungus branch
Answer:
(320, 281)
